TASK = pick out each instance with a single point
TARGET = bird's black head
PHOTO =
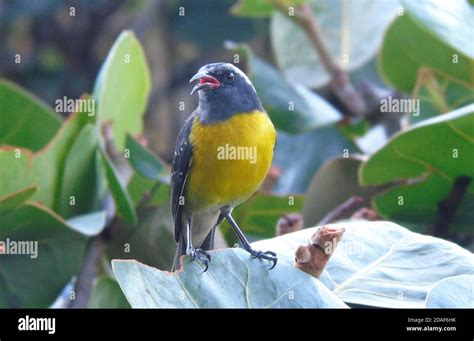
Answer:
(224, 90)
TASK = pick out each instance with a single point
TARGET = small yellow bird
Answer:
(222, 154)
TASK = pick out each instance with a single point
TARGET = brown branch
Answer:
(365, 214)
(340, 82)
(448, 207)
(88, 273)
(342, 211)
(288, 223)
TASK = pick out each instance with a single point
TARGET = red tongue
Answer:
(203, 80)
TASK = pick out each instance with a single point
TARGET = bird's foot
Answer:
(268, 255)
(201, 256)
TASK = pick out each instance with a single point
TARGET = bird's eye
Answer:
(229, 77)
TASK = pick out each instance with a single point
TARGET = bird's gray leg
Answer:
(268, 255)
(197, 254)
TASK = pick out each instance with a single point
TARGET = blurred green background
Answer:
(336, 138)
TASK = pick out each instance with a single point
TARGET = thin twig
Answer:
(342, 211)
(88, 273)
(289, 223)
(340, 82)
(448, 207)
(89, 269)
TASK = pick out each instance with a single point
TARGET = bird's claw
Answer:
(268, 255)
(201, 256)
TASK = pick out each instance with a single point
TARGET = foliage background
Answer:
(334, 140)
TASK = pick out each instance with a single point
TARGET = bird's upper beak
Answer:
(205, 81)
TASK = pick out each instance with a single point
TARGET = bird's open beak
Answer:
(205, 81)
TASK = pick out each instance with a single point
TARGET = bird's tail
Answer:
(180, 251)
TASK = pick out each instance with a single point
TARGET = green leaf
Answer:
(81, 178)
(122, 87)
(452, 292)
(259, 214)
(428, 26)
(145, 163)
(49, 164)
(380, 264)
(13, 200)
(138, 186)
(90, 224)
(334, 183)
(15, 170)
(25, 121)
(292, 107)
(449, 27)
(429, 157)
(439, 95)
(125, 208)
(260, 8)
(19, 168)
(351, 30)
(233, 280)
(106, 294)
(29, 282)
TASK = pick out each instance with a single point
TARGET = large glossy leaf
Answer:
(25, 121)
(300, 156)
(106, 294)
(27, 282)
(431, 155)
(145, 163)
(452, 292)
(90, 224)
(292, 107)
(233, 280)
(20, 168)
(125, 208)
(352, 31)
(438, 94)
(122, 87)
(434, 34)
(380, 263)
(334, 183)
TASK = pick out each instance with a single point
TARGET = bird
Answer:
(222, 155)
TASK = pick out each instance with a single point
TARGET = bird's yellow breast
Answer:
(230, 160)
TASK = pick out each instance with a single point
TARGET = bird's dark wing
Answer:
(182, 159)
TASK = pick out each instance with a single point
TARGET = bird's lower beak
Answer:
(205, 81)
